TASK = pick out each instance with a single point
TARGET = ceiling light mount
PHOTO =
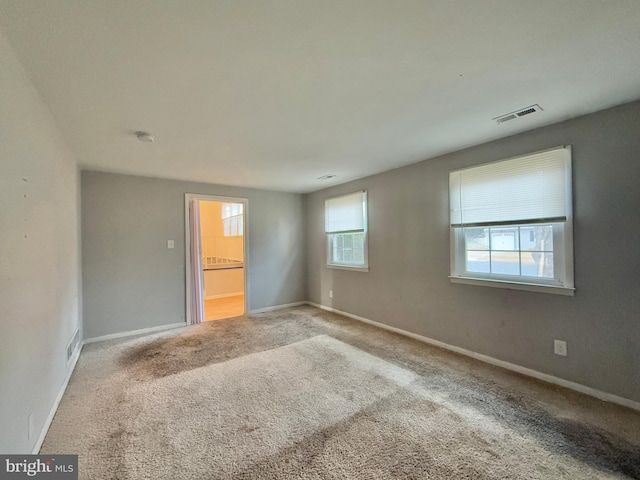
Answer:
(145, 137)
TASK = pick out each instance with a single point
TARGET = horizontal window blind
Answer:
(529, 189)
(345, 213)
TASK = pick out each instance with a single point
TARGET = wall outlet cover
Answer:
(560, 348)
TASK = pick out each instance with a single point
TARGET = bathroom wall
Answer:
(223, 282)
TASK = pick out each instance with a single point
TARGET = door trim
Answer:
(245, 241)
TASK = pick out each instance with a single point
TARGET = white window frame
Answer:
(563, 281)
(237, 219)
(365, 231)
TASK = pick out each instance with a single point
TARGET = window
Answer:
(511, 223)
(346, 230)
(232, 219)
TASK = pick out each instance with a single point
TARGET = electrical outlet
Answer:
(560, 348)
(330, 293)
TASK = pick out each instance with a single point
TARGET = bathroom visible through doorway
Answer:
(222, 240)
(216, 283)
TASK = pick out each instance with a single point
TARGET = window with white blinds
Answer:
(530, 189)
(346, 231)
(511, 221)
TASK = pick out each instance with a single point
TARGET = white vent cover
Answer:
(73, 344)
(518, 113)
(328, 176)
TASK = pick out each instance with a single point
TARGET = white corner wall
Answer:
(39, 258)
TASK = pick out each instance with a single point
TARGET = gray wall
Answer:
(132, 281)
(408, 287)
(39, 257)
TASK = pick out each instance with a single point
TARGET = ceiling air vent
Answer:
(518, 113)
(328, 176)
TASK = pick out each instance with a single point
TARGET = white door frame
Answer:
(245, 240)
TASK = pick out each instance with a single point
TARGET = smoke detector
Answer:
(518, 113)
(145, 137)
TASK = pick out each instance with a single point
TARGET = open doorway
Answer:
(222, 240)
(216, 276)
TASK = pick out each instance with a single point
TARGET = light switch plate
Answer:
(170, 244)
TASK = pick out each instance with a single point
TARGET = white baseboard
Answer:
(277, 307)
(134, 332)
(607, 397)
(223, 295)
(56, 403)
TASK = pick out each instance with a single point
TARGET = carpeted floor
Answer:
(306, 394)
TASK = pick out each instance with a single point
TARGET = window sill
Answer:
(529, 287)
(347, 267)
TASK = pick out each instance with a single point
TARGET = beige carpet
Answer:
(305, 394)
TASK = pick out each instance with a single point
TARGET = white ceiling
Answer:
(273, 94)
